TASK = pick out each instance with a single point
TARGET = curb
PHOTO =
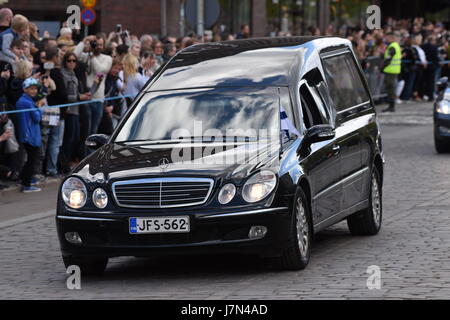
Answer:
(30, 218)
(409, 114)
(405, 120)
(17, 188)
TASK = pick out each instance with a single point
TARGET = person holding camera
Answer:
(29, 130)
(90, 51)
(52, 123)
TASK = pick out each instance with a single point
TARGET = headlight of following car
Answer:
(447, 95)
(443, 107)
(74, 193)
(259, 186)
(100, 198)
(227, 193)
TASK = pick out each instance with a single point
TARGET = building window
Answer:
(351, 13)
(295, 17)
(234, 13)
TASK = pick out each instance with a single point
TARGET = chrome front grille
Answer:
(162, 192)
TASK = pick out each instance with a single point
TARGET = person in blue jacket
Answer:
(29, 130)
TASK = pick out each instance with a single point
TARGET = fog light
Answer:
(100, 198)
(73, 237)
(227, 193)
(257, 232)
(444, 130)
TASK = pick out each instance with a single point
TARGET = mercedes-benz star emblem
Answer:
(164, 164)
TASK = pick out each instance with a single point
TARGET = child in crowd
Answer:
(29, 131)
(19, 29)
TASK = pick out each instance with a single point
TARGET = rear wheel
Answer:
(88, 266)
(296, 255)
(368, 221)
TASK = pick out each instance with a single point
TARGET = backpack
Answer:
(7, 31)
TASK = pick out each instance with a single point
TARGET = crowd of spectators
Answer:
(425, 54)
(87, 75)
(38, 73)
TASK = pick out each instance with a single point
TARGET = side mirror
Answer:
(319, 133)
(442, 84)
(96, 141)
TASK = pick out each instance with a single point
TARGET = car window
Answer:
(288, 121)
(286, 105)
(323, 110)
(312, 115)
(346, 85)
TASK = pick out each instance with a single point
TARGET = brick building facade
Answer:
(141, 16)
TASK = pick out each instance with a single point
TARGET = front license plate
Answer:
(160, 225)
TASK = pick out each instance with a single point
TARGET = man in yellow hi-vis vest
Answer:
(391, 68)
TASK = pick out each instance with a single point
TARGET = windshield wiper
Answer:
(190, 139)
(148, 142)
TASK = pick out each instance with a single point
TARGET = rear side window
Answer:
(346, 85)
(314, 113)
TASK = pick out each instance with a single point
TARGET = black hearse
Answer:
(246, 146)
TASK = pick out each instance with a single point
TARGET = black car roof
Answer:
(249, 62)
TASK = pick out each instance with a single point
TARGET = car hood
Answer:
(215, 160)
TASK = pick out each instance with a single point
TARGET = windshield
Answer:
(231, 113)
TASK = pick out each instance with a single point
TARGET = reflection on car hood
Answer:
(216, 160)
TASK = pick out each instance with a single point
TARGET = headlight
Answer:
(100, 198)
(74, 193)
(259, 186)
(227, 193)
(443, 107)
(447, 95)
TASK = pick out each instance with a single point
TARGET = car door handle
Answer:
(336, 149)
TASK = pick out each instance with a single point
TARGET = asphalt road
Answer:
(411, 250)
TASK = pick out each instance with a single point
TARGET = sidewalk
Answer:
(16, 187)
(411, 113)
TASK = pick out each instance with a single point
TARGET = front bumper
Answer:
(226, 232)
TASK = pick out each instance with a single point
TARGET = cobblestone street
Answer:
(412, 249)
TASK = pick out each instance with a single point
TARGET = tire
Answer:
(88, 266)
(368, 222)
(296, 256)
(442, 146)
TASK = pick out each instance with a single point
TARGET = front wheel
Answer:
(442, 146)
(88, 266)
(296, 255)
(368, 221)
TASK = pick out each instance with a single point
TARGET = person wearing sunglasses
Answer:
(72, 125)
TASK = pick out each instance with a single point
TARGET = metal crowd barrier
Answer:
(375, 77)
